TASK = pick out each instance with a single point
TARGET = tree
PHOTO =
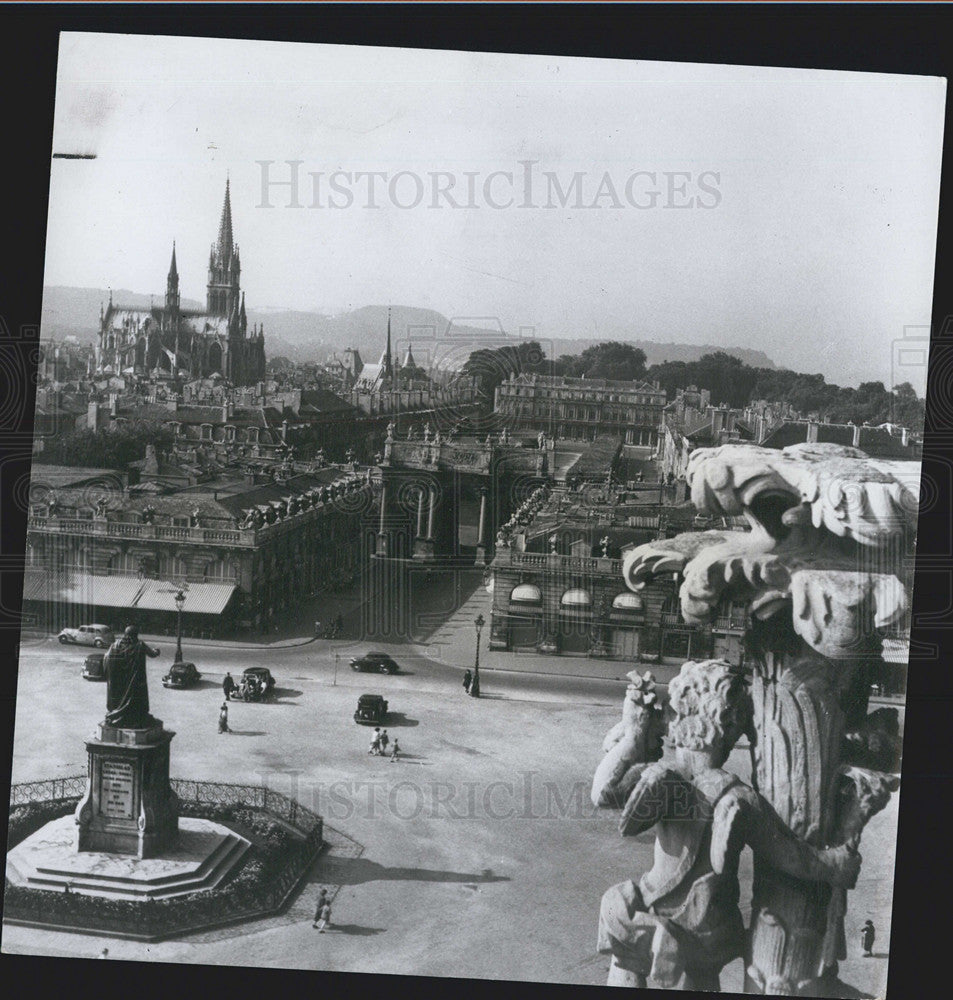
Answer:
(107, 448)
(612, 360)
(491, 366)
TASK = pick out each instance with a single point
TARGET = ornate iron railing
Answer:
(156, 919)
(49, 790)
(221, 793)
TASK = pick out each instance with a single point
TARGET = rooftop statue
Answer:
(681, 923)
(820, 573)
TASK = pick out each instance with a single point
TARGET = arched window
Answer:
(214, 359)
(526, 593)
(576, 598)
(627, 601)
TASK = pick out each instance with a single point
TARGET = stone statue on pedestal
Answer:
(127, 691)
(129, 806)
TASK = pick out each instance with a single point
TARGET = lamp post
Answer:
(479, 622)
(179, 603)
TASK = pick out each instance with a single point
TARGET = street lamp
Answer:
(479, 622)
(179, 603)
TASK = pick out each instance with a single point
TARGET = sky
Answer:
(790, 211)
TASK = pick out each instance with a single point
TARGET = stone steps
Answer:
(205, 858)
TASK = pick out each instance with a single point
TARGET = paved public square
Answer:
(477, 854)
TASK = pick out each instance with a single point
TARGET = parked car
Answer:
(371, 708)
(99, 636)
(181, 675)
(93, 669)
(256, 684)
(380, 663)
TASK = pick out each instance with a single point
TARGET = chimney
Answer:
(151, 465)
(92, 414)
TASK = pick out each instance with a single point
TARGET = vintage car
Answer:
(256, 684)
(371, 708)
(99, 636)
(93, 669)
(181, 675)
(380, 663)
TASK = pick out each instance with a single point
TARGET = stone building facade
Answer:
(113, 555)
(577, 604)
(583, 408)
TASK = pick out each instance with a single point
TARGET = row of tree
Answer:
(106, 448)
(727, 378)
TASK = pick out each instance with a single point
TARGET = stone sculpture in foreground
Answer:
(819, 570)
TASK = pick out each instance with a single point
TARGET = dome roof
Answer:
(526, 592)
(576, 599)
(627, 601)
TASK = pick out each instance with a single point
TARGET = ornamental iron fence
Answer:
(260, 888)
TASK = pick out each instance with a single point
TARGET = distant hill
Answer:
(312, 336)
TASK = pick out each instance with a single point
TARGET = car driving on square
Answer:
(99, 636)
(381, 663)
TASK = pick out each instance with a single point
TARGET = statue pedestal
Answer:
(129, 806)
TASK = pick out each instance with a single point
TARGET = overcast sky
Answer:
(792, 211)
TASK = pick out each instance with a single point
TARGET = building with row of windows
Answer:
(575, 603)
(247, 549)
(582, 408)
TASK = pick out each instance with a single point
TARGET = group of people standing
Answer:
(250, 689)
(379, 743)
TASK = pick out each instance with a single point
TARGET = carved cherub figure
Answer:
(680, 924)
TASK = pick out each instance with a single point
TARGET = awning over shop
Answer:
(200, 598)
(123, 592)
(71, 587)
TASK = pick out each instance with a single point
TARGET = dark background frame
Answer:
(897, 38)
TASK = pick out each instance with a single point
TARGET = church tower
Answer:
(172, 286)
(224, 268)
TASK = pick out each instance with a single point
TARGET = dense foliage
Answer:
(113, 447)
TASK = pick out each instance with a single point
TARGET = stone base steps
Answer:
(144, 880)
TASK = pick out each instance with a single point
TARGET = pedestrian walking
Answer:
(867, 935)
(467, 681)
(228, 686)
(324, 916)
(395, 751)
(385, 739)
(376, 741)
(319, 906)
(223, 719)
(104, 953)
